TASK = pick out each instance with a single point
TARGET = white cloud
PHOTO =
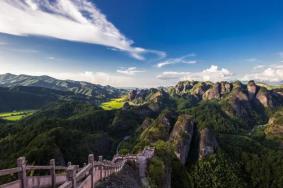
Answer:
(213, 73)
(272, 73)
(259, 66)
(129, 71)
(29, 51)
(51, 58)
(101, 78)
(172, 75)
(3, 43)
(73, 20)
(252, 59)
(184, 59)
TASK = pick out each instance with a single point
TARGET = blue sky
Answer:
(143, 43)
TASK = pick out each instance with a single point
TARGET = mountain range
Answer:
(224, 134)
(77, 87)
(19, 92)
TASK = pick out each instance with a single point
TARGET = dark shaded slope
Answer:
(23, 98)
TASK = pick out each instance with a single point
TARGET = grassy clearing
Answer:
(113, 104)
(269, 87)
(15, 116)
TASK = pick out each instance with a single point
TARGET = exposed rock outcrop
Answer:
(269, 98)
(238, 99)
(226, 87)
(213, 93)
(184, 87)
(208, 143)
(218, 90)
(239, 102)
(264, 97)
(181, 137)
(252, 89)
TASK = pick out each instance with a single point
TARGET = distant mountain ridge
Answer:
(77, 87)
(237, 99)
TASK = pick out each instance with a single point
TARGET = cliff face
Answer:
(208, 143)
(245, 102)
(154, 99)
(269, 98)
(233, 92)
(181, 137)
(252, 89)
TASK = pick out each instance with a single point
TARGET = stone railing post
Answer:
(21, 162)
(91, 161)
(77, 167)
(104, 171)
(52, 173)
(71, 175)
(100, 159)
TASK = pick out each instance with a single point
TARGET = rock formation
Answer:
(252, 89)
(181, 137)
(208, 143)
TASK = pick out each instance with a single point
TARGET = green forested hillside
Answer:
(68, 131)
(205, 134)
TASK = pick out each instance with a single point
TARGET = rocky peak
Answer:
(200, 88)
(213, 93)
(237, 84)
(184, 86)
(132, 95)
(181, 137)
(267, 98)
(208, 143)
(225, 87)
(218, 90)
(252, 89)
(238, 95)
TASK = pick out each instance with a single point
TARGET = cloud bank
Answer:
(271, 73)
(252, 59)
(3, 43)
(73, 20)
(129, 71)
(213, 73)
(184, 59)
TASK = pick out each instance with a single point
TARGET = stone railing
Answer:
(72, 176)
(24, 181)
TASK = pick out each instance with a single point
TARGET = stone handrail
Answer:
(74, 177)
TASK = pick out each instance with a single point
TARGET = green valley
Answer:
(16, 116)
(115, 103)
